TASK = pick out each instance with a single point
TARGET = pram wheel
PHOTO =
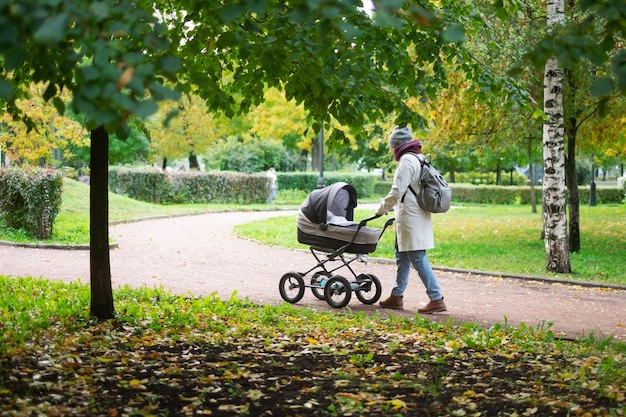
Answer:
(291, 287)
(317, 285)
(369, 289)
(337, 291)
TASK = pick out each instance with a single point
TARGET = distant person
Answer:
(271, 174)
(414, 228)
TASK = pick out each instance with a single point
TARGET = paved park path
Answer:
(200, 255)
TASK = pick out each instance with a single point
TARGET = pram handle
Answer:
(375, 216)
(369, 219)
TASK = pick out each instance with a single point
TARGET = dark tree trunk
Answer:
(164, 165)
(193, 162)
(573, 197)
(100, 262)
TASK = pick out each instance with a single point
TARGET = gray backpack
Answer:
(434, 193)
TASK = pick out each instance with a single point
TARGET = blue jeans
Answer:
(272, 196)
(424, 270)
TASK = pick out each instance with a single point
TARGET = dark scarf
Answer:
(414, 146)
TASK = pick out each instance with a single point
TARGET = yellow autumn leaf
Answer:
(397, 404)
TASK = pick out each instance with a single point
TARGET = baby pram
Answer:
(325, 223)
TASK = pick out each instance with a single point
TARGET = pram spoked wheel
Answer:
(317, 285)
(337, 291)
(291, 287)
(369, 288)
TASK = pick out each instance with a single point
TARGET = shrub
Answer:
(307, 181)
(143, 184)
(30, 199)
(236, 154)
(188, 187)
(217, 187)
(488, 178)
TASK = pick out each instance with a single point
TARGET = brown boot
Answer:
(435, 306)
(394, 301)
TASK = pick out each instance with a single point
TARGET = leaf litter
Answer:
(167, 355)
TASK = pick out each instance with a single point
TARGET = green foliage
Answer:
(397, 54)
(307, 181)
(488, 178)
(235, 154)
(217, 187)
(30, 199)
(604, 195)
(31, 307)
(486, 194)
(133, 149)
(141, 184)
(597, 38)
(493, 194)
(188, 187)
(381, 188)
(110, 55)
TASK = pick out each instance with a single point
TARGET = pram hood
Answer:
(325, 220)
(337, 200)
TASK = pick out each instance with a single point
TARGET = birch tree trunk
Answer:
(554, 213)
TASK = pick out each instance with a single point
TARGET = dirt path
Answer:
(200, 255)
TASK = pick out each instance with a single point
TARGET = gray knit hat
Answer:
(399, 136)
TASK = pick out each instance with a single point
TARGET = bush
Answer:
(488, 178)
(492, 194)
(235, 154)
(217, 187)
(382, 187)
(144, 184)
(486, 194)
(307, 181)
(604, 195)
(188, 187)
(30, 199)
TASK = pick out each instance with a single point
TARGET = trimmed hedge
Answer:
(488, 178)
(141, 184)
(494, 194)
(153, 186)
(30, 199)
(307, 181)
(228, 187)
(218, 187)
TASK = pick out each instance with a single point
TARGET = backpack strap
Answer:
(411, 188)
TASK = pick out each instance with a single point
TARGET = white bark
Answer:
(554, 213)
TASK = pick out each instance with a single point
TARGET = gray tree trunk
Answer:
(554, 207)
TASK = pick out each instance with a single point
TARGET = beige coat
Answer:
(414, 227)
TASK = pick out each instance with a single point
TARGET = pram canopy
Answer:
(326, 218)
(339, 199)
